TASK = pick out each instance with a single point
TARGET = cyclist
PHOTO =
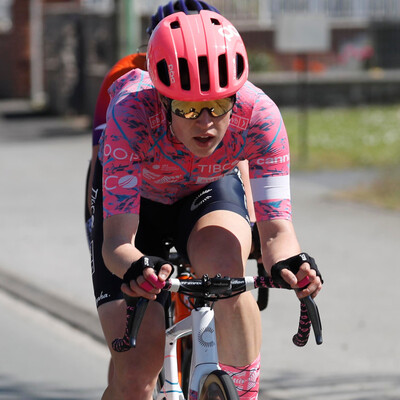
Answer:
(169, 153)
(123, 66)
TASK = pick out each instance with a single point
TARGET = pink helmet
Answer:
(197, 57)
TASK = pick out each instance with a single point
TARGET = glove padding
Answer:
(137, 267)
(293, 264)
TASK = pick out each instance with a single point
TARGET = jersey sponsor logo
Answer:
(150, 176)
(102, 297)
(273, 160)
(93, 198)
(239, 122)
(169, 179)
(202, 179)
(197, 202)
(217, 168)
(165, 167)
(126, 182)
(156, 120)
(119, 153)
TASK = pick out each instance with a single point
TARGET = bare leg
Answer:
(220, 243)
(134, 372)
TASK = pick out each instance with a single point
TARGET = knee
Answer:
(227, 266)
(234, 307)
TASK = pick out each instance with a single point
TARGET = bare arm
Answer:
(119, 252)
(244, 171)
(279, 242)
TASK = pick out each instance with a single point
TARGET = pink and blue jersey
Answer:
(121, 67)
(141, 157)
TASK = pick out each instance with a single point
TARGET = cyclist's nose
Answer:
(205, 117)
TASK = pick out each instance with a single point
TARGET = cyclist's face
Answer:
(201, 135)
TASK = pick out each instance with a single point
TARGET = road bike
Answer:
(206, 380)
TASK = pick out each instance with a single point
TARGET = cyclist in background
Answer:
(168, 169)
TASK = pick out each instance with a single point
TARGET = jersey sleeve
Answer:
(269, 161)
(123, 66)
(121, 156)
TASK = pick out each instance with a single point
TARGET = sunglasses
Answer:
(193, 109)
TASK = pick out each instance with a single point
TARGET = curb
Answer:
(78, 318)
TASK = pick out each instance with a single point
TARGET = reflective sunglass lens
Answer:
(192, 109)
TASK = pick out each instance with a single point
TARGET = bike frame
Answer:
(201, 324)
(204, 356)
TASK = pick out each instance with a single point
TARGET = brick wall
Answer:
(15, 52)
(14, 68)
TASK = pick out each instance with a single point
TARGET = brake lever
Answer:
(135, 320)
(313, 314)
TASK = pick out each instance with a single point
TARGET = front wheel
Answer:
(218, 386)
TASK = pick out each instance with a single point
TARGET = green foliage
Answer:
(260, 62)
(367, 136)
(353, 137)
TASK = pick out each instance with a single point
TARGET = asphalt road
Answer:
(44, 257)
(43, 358)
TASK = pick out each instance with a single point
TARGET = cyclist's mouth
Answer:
(203, 139)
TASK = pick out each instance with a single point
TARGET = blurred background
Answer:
(350, 49)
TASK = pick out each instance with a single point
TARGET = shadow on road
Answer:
(11, 389)
(347, 387)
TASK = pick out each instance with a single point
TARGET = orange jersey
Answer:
(123, 66)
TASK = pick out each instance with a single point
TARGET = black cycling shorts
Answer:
(159, 223)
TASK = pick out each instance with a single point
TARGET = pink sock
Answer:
(246, 379)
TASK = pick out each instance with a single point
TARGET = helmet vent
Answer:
(223, 71)
(184, 73)
(175, 25)
(214, 21)
(204, 74)
(162, 71)
(239, 65)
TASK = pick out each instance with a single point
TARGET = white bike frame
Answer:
(204, 354)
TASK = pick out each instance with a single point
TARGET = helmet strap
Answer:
(167, 106)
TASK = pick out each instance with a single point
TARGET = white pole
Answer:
(38, 96)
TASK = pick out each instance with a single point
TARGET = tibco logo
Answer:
(125, 182)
